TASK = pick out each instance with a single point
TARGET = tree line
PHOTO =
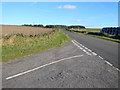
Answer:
(56, 26)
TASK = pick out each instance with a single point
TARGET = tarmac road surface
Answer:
(104, 48)
(69, 66)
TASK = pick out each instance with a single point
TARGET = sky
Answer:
(88, 14)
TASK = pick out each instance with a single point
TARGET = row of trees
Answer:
(56, 26)
(76, 27)
(36, 25)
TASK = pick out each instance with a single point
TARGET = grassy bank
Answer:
(110, 37)
(19, 45)
(104, 37)
(87, 30)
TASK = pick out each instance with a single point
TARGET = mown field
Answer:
(29, 41)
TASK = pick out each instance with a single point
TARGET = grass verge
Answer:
(97, 36)
(19, 45)
(87, 30)
(103, 37)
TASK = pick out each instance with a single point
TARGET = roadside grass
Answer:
(87, 30)
(98, 36)
(19, 45)
(103, 37)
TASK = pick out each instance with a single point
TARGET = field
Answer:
(16, 43)
(26, 30)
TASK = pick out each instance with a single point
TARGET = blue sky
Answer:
(89, 14)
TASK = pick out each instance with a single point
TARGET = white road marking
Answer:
(85, 48)
(89, 50)
(109, 63)
(88, 53)
(112, 65)
(28, 71)
(94, 53)
(80, 47)
(100, 57)
(117, 69)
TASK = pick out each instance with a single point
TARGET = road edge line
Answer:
(31, 70)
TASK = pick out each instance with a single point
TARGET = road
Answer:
(106, 49)
(69, 66)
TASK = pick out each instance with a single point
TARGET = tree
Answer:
(76, 27)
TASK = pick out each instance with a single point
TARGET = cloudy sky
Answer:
(89, 14)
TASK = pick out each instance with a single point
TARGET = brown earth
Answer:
(26, 30)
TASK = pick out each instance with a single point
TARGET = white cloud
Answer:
(67, 7)
(77, 20)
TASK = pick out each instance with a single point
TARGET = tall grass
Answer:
(19, 45)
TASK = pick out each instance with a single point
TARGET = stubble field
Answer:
(26, 30)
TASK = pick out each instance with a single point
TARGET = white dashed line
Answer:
(25, 72)
(89, 50)
(93, 53)
(85, 49)
(109, 63)
(112, 65)
(117, 69)
(100, 57)
(73, 41)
